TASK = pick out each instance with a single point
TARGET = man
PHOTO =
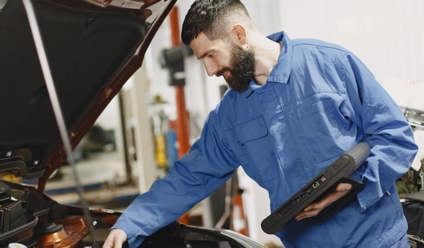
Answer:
(294, 106)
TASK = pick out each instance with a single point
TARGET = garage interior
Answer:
(161, 109)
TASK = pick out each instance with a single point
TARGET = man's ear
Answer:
(238, 35)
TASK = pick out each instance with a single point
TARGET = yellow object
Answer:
(10, 178)
(160, 152)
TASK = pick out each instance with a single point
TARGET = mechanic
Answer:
(294, 106)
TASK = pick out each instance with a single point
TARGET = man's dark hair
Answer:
(208, 16)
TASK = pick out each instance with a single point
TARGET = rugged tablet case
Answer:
(338, 171)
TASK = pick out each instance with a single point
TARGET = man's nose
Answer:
(211, 69)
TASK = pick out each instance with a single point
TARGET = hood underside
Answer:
(92, 51)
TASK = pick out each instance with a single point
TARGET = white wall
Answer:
(386, 34)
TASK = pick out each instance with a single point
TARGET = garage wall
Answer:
(386, 34)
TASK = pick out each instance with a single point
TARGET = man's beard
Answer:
(242, 69)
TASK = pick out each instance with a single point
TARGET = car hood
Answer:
(93, 48)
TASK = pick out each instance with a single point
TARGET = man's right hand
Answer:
(115, 239)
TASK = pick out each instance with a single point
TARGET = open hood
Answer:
(93, 48)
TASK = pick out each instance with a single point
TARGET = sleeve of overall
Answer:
(208, 165)
(383, 127)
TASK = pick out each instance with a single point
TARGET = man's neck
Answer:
(266, 57)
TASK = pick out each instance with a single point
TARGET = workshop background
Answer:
(135, 140)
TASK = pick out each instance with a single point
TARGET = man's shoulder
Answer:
(307, 51)
(303, 45)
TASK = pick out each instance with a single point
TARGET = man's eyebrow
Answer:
(201, 56)
(204, 54)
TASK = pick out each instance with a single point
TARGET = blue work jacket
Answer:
(319, 101)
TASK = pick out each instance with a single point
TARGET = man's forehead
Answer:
(201, 44)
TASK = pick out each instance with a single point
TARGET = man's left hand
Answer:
(315, 208)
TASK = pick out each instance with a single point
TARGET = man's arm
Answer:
(208, 165)
(384, 128)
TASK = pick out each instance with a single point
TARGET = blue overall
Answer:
(319, 101)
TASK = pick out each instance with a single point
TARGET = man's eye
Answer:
(210, 55)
